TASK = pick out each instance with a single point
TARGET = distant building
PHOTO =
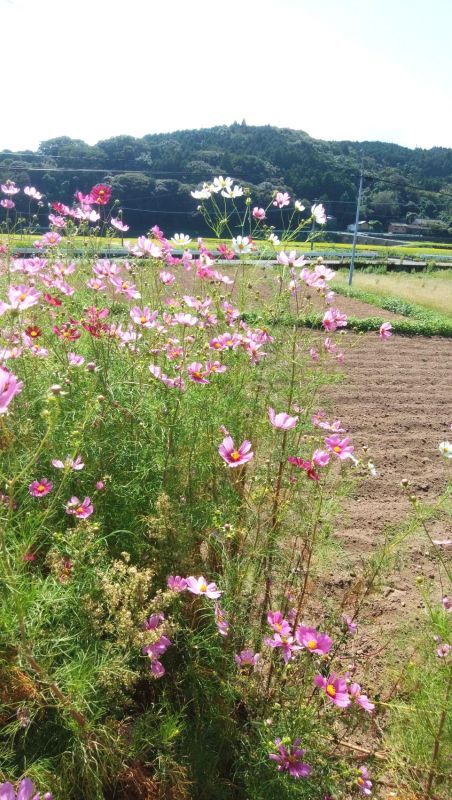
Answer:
(362, 226)
(418, 225)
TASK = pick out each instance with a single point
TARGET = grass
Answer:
(433, 291)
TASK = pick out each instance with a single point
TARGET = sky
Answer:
(337, 69)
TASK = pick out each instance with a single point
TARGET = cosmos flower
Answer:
(335, 689)
(242, 244)
(176, 583)
(312, 640)
(364, 782)
(25, 791)
(445, 448)
(40, 488)
(200, 586)
(341, 448)
(289, 759)
(281, 199)
(100, 194)
(282, 421)
(235, 457)
(117, 223)
(258, 213)
(247, 658)
(79, 509)
(319, 213)
(10, 386)
(385, 331)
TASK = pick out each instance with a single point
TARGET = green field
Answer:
(430, 289)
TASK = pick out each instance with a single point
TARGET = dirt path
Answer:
(397, 401)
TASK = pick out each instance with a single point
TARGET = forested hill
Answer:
(152, 176)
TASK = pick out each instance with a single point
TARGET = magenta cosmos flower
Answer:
(80, 509)
(276, 621)
(312, 640)
(221, 621)
(9, 387)
(281, 199)
(307, 466)
(40, 488)
(200, 586)
(69, 463)
(231, 455)
(385, 331)
(289, 759)
(25, 791)
(341, 449)
(335, 689)
(282, 420)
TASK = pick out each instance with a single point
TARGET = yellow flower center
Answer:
(337, 449)
(235, 455)
(79, 510)
(312, 644)
(360, 781)
(203, 587)
(142, 320)
(41, 488)
(22, 297)
(331, 690)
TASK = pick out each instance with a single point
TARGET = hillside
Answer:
(152, 176)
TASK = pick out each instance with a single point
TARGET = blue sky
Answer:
(90, 69)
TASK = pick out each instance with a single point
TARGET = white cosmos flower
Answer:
(241, 244)
(319, 214)
(232, 191)
(202, 194)
(445, 448)
(220, 183)
(299, 206)
(372, 469)
(181, 239)
(274, 239)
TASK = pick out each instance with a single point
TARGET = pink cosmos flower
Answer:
(349, 624)
(25, 791)
(196, 373)
(385, 331)
(286, 643)
(7, 203)
(276, 621)
(320, 458)
(364, 782)
(258, 213)
(185, 319)
(443, 650)
(290, 759)
(117, 223)
(247, 658)
(446, 603)
(144, 247)
(225, 252)
(30, 191)
(9, 187)
(290, 259)
(282, 421)
(75, 360)
(69, 463)
(235, 457)
(359, 698)
(10, 386)
(334, 319)
(144, 316)
(167, 278)
(341, 449)
(307, 465)
(176, 583)
(335, 689)
(314, 354)
(281, 199)
(153, 622)
(221, 621)
(312, 640)
(200, 586)
(22, 297)
(51, 239)
(79, 509)
(40, 488)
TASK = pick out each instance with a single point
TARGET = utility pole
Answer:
(355, 232)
